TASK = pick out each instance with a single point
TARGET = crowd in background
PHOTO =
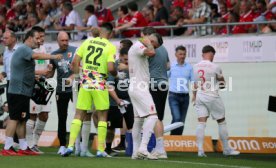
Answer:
(21, 15)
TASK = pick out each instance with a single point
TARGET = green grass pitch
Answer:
(176, 160)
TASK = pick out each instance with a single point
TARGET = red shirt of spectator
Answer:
(248, 17)
(139, 21)
(229, 4)
(180, 3)
(104, 15)
(10, 14)
(268, 15)
(225, 17)
(122, 21)
(186, 6)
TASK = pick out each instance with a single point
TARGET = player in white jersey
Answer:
(208, 81)
(143, 105)
(38, 113)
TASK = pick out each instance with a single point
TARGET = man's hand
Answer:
(69, 80)
(58, 27)
(146, 41)
(1, 77)
(58, 56)
(120, 102)
(116, 31)
(193, 100)
(79, 28)
(122, 67)
(49, 69)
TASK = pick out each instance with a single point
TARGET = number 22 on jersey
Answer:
(93, 50)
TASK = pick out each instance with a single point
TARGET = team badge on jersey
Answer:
(69, 54)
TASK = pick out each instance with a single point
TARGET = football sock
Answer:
(148, 127)
(160, 145)
(74, 132)
(85, 133)
(136, 133)
(23, 144)
(78, 143)
(29, 132)
(102, 131)
(223, 134)
(39, 128)
(200, 135)
(8, 143)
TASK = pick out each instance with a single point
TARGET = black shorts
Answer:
(115, 117)
(159, 97)
(19, 107)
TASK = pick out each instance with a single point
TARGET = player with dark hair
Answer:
(20, 90)
(207, 100)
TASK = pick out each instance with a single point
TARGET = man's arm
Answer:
(200, 20)
(194, 92)
(113, 94)
(43, 56)
(149, 51)
(221, 81)
(111, 68)
(76, 63)
(168, 62)
(220, 78)
(70, 27)
(124, 26)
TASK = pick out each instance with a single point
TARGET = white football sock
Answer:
(148, 127)
(160, 145)
(8, 143)
(23, 144)
(29, 132)
(39, 128)
(78, 143)
(136, 133)
(223, 134)
(85, 133)
(200, 135)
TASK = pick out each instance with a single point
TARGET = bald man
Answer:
(64, 87)
(9, 40)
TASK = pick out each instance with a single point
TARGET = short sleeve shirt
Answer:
(96, 53)
(158, 65)
(22, 72)
(138, 65)
(104, 15)
(92, 21)
(41, 64)
(63, 68)
(206, 73)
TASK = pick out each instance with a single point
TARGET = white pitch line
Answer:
(194, 163)
(178, 161)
